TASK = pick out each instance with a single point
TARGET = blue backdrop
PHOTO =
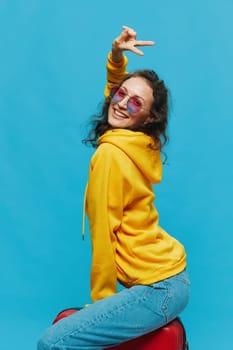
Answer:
(52, 75)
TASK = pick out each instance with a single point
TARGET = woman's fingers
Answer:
(144, 43)
(127, 41)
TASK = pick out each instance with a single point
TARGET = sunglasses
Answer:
(134, 103)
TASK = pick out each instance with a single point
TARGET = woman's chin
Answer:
(117, 122)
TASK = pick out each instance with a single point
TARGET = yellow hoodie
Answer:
(127, 242)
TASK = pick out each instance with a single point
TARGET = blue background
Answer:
(52, 75)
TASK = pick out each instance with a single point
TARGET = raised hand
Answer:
(127, 41)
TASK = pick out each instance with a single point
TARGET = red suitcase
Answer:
(170, 337)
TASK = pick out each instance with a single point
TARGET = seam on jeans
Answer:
(166, 300)
(99, 318)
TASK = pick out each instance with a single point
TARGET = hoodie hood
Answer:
(137, 147)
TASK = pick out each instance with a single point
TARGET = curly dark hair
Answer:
(156, 128)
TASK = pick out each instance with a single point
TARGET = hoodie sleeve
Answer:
(115, 73)
(104, 208)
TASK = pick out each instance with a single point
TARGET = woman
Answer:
(128, 245)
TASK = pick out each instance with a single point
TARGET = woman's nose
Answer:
(123, 102)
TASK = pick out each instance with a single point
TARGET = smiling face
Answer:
(118, 114)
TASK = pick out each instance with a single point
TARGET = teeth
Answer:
(120, 114)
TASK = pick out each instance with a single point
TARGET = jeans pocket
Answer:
(178, 288)
(182, 277)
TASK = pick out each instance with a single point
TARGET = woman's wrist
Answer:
(117, 54)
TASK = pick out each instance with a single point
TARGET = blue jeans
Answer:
(120, 317)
